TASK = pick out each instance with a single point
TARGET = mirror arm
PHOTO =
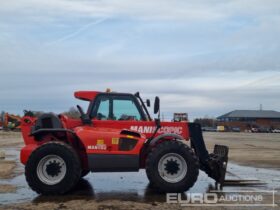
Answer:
(158, 126)
(143, 105)
(157, 121)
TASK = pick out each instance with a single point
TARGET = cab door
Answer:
(123, 111)
(118, 111)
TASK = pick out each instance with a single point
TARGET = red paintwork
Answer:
(26, 152)
(86, 95)
(101, 131)
(26, 123)
(145, 127)
(90, 136)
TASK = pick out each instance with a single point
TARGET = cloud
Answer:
(76, 33)
(144, 10)
(201, 57)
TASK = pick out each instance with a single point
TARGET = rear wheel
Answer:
(53, 168)
(172, 167)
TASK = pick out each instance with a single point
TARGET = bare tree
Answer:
(72, 113)
(206, 122)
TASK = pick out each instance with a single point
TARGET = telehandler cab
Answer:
(116, 134)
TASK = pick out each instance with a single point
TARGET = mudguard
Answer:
(166, 135)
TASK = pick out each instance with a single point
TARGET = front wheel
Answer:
(53, 168)
(172, 166)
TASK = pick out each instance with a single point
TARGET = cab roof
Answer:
(91, 95)
(86, 95)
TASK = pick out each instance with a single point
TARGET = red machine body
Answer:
(102, 137)
(116, 134)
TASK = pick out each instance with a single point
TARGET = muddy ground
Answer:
(259, 155)
(8, 141)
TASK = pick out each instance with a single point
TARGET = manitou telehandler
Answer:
(116, 134)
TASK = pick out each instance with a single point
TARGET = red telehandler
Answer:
(116, 134)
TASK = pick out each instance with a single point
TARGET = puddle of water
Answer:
(269, 176)
(134, 186)
(129, 186)
(11, 153)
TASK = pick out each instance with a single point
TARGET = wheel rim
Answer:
(172, 167)
(51, 169)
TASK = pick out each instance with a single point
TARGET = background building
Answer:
(247, 119)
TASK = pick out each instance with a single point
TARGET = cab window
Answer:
(103, 109)
(125, 109)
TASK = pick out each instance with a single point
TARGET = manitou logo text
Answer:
(151, 129)
(97, 147)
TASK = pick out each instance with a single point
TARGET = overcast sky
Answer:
(200, 57)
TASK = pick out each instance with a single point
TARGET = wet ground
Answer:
(135, 186)
(132, 187)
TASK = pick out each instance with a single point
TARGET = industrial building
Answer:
(264, 120)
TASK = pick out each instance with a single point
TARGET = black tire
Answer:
(187, 178)
(84, 173)
(72, 168)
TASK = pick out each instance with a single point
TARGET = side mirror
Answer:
(148, 102)
(156, 105)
